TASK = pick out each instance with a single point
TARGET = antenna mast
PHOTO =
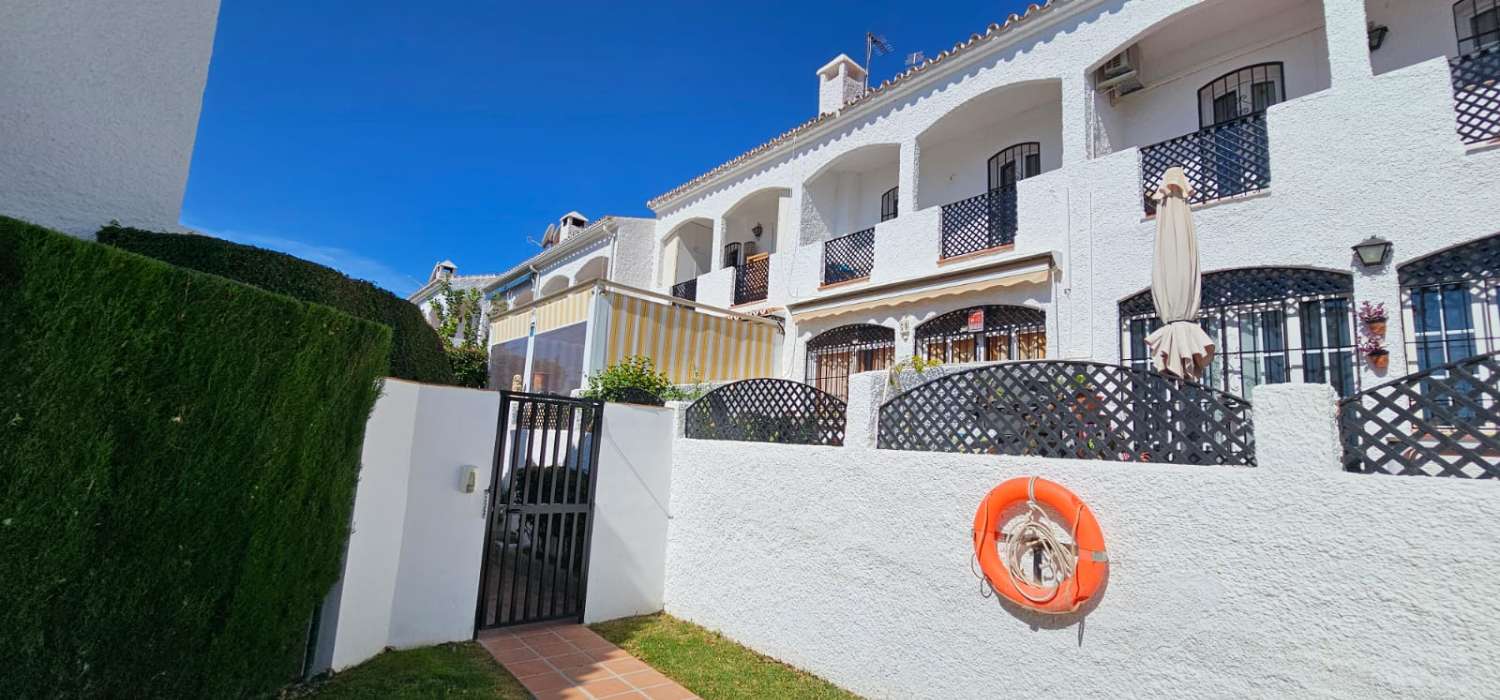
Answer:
(875, 45)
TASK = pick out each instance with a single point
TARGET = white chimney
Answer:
(840, 82)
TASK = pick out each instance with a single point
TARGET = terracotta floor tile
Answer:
(551, 680)
(591, 644)
(606, 687)
(578, 634)
(668, 692)
(563, 694)
(645, 679)
(505, 642)
(591, 672)
(573, 660)
(508, 655)
(606, 654)
(627, 665)
(522, 669)
(553, 648)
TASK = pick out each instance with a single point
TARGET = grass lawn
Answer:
(710, 665)
(462, 670)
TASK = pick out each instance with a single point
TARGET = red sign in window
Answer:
(976, 320)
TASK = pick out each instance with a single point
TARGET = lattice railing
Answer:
(1476, 95)
(752, 280)
(849, 257)
(1223, 160)
(1082, 410)
(686, 290)
(979, 223)
(768, 410)
(1439, 422)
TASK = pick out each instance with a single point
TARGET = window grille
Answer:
(834, 355)
(1476, 94)
(1477, 25)
(1239, 93)
(752, 280)
(1269, 326)
(732, 255)
(849, 257)
(1009, 333)
(1451, 303)
(889, 204)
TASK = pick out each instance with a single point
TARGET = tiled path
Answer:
(570, 662)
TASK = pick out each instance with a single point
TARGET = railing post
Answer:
(1296, 428)
(862, 413)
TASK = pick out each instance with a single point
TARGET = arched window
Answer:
(1014, 164)
(1478, 25)
(888, 204)
(834, 355)
(1240, 93)
(984, 334)
(1451, 303)
(1270, 325)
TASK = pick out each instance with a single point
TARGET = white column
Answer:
(862, 413)
(906, 177)
(1348, 41)
(1296, 428)
(716, 255)
(1076, 94)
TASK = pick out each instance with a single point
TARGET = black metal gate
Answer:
(540, 510)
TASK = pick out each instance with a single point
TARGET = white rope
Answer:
(1035, 531)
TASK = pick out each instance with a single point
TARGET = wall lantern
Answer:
(758, 230)
(1373, 251)
(1377, 34)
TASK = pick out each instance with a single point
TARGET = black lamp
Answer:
(1373, 251)
(757, 230)
(1377, 34)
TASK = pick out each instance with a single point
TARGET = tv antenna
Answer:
(875, 45)
(915, 59)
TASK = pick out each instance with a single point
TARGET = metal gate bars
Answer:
(541, 514)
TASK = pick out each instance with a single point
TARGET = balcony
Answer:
(1229, 159)
(752, 279)
(980, 223)
(850, 257)
(1476, 95)
(687, 290)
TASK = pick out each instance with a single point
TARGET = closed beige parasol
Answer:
(1179, 347)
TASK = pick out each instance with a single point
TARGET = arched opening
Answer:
(687, 253)
(848, 194)
(1450, 303)
(835, 354)
(553, 285)
(955, 150)
(595, 269)
(752, 229)
(989, 333)
(1270, 325)
(521, 298)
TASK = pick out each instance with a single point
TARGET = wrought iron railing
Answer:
(1476, 95)
(979, 223)
(1439, 422)
(768, 410)
(686, 290)
(752, 280)
(1223, 160)
(1081, 410)
(849, 257)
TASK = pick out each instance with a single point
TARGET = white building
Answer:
(429, 298)
(99, 107)
(990, 203)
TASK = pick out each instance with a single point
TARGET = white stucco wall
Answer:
(1266, 582)
(99, 106)
(627, 558)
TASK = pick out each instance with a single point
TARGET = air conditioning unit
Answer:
(1120, 75)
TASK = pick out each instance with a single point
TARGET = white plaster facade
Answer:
(1362, 144)
(99, 105)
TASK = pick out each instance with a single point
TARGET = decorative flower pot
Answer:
(1379, 359)
(1376, 326)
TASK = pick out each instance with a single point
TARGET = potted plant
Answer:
(1373, 317)
(1373, 347)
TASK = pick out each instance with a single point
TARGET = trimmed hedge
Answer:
(178, 458)
(416, 350)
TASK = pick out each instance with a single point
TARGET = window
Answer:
(732, 255)
(888, 204)
(1477, 23)
(1269, 326)
(1240, 93)
(984, 334)
(1014, 164)
(1451, 303)
(834, 355)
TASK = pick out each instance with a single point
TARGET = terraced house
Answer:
(992, 203)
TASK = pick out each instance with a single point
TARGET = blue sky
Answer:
(381, 136)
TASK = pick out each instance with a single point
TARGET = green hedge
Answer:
(416, 350)
(178, 458)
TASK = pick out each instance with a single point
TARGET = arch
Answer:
(1014, 163)
(594, 269)
(835, 354)
(844, 194)
(687, 251)
(553, 285)
(521, 298)
(1006, 332)
(1450, 303)
(754, 221)
(1471, 260)
(953, 163)
(1241, 92)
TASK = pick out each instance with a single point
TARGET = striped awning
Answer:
(688, 345)
(550, 313)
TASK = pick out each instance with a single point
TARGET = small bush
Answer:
(178, 457)
(416, 351)
(632, 380)
(471, 366)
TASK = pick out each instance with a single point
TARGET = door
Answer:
(541, 514)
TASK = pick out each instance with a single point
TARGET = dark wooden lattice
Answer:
(1250, 285)
(979, 223)
(768, 410)
(1223, 160)
(686, 290)
(1439, 422)
(1476, 95)
(849, 257)
(752, 280)
(1081, 410)
(1469, 262)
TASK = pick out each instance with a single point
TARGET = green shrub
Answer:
(178, 457)
(471, 366)
(416, 351)
(631, 380)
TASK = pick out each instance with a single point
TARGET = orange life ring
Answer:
(1090, 565)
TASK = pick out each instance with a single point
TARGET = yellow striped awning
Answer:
(564, 310)
(687, 345)
(510, 327)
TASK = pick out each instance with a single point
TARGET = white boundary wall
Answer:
(1289, 579)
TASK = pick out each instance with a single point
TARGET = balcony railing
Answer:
(686, 290)
(752, 279)
(849, 257)
(1223, 160)
(979, 223)
(1476, 95)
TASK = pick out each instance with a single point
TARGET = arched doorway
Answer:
(988, 333)
(835, 354)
